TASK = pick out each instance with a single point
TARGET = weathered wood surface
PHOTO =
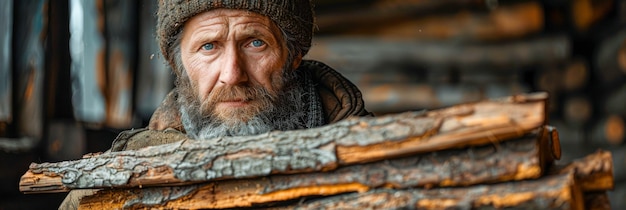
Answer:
(156, 79)
(356, 140)
(594, 172)
(6, 74)
(505, 22)
(552, 192)
(88, 61)
(30, 33)
(370, 54)
(120, 34)
(510, 160)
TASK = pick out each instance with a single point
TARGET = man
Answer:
(239, 71)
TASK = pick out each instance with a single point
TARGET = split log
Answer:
(6, 74)
(552, 192)
(510, 160)
(370, 54)
(594, 172)
(356, 140)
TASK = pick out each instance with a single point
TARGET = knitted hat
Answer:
(295, 17)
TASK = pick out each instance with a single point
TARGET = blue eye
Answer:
(257, 43)
(208, 46)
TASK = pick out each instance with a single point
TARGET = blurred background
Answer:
(74, 73)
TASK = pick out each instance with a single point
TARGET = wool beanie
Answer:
(295, 17)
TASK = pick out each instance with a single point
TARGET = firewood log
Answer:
(356, 140)
(510, 160)
(593, 172)
(552, 192)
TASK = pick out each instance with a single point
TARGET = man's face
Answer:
(235, 78)
(233, 58)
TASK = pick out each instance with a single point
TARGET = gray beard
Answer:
(287, 112)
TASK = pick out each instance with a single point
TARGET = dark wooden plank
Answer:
(87, 50)
(511, 160)
(120, 34)
(6, 67)
(154, 79)
(357, 140)
(58, 63)
(29, 63)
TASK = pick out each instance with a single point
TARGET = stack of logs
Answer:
(412, 55)
(495, 154)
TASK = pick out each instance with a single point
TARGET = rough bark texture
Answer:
(356, 140)
(593, 172)
(511, 160)
(553, 192)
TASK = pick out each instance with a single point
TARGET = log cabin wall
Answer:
(73, 73)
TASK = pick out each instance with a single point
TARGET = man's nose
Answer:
(233, 71)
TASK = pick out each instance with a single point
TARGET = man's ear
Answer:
(296, 61)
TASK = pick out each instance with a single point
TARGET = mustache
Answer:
(239, 93)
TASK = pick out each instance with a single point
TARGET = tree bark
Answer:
(511, 160)
(357, 140)
(593, 172)
(553, 192)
